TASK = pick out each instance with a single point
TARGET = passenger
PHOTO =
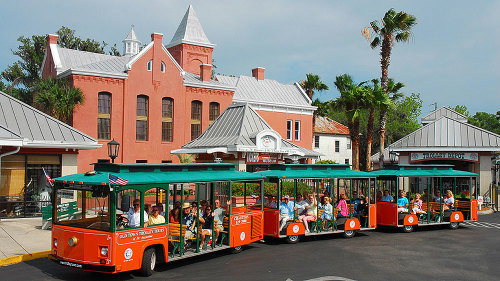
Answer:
(134, 216)
(402, 202)
(437, 197)
(155, 217)
(189, 220)
(311, 212)
(328, 209)
(284, 211)
(147, 209)
(203, 205)
(273, 203)
(387, 197)
(342, 206)
(160, 208)
(417, 205)
(219, 214)
(449, 201)
(424, 196)
(301, 204)
(379, 196)
(208, 218)
(362, 210)
(356, 201)
(175, 215)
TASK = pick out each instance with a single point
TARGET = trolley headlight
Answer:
(104, 251)
(55, 242)
(72, 241)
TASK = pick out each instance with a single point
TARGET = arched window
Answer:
(214, 112)
(141, 131)
(195, 119)
(150, 65)
(104, 116)
(167, 119)
(162, 67)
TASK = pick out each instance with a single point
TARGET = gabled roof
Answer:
(194, 80)
(34, 128)
(326, 125)
(443, 111)
(267, 92)
(190, 31)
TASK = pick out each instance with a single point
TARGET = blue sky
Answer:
(453, 57)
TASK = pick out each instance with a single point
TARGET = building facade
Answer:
(332, 139)
(157, 99)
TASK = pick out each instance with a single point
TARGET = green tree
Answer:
(57, 98)
(403, 119)
(462, 109)
(313, 83)
(185, 158)
(487, 121)
(395, 27)
(352, 97)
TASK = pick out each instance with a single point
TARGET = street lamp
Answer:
(113, 147)
(392, 156)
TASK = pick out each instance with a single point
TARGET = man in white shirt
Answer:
(134, 216)
(301, 204)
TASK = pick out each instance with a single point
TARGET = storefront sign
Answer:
(261, 158)
(464, 156)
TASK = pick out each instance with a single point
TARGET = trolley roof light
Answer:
(113, 148)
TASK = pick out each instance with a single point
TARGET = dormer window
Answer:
(162, 67)
(150, 65)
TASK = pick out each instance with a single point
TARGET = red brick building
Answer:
(159, 98)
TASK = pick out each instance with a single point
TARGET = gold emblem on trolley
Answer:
(72, 241)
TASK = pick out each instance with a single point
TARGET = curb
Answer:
(25, 257)
(485, 212)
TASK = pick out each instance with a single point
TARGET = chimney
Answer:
(205, 72)
(52, 39)
(258, 73)
(156, 37)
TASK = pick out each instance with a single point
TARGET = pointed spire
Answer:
(131, 43)
(190, 31)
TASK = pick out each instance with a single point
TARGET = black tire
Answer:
(408, 228)
(148, 262)
(349, 233)
(236, 250)
(454, 225)
(292, 239)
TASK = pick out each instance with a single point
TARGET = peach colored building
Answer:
(155, 99)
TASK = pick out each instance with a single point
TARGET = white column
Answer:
(484, 174)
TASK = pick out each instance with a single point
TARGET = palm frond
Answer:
(403, 36)
(375, 43)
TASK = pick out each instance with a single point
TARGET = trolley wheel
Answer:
(292, 239)
(349, 233)
(148, 262)
(454, 225)
(408, 228)
(236, 250)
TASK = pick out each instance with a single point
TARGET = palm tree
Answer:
(351, 100)
(396, 26)
(57, 98)
(313, 83)
(185, 158)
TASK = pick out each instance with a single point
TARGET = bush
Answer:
(270, 189)
(326, 162)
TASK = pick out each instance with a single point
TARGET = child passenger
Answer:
(417, 205)
(328, 213)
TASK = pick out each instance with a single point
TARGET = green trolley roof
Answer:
(158, 174)
(421, 171)
(293, 171)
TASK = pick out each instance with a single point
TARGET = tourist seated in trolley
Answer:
(342, 207)
(208, 218)
(300, 204)
(134, 216)
(219, 214)
(175, 215)
(437, 197)
(356, 199)
(155, 217)
(402, 202)
(310, 213)
(417, 205)
(387, 197)
(379, 196)
(272, 202)
(361, 210)
(328, 209)
(189, 220)
(449, 200)
(284, 212)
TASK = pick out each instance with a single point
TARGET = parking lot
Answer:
(429, 253)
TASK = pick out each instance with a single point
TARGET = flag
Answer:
(116, 180)
(51, 181)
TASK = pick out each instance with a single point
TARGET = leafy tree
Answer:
(185, 158)
(395, 27)
(326, 162)
(313, 83)
(462, 109)
(352, 97)
(403, 119)
(57, 98)
(486, 121)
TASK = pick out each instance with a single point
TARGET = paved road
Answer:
(431, 253)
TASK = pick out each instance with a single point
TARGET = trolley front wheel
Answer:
(292, 239)
(148, 262)
(408, 228)
(349, 233)
(236, 250)
(454, 225)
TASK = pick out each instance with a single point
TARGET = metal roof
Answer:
(88, 61)
(326, 125)
(266, 91)
(293, 171)
(131, 36)
(190, 31)
(421, 171)
(37, 129)
(443, 111)
(191, 79)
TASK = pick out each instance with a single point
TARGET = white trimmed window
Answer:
(297, 130)
(289, 124)
(337, 146)
(150, 65)
(162, 67)
(316, 141)
(348, 143)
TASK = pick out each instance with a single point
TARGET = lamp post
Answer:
(392, 156)
(113, 147)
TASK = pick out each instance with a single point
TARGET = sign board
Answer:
(261, 158)
(480, 201)
(463, 156)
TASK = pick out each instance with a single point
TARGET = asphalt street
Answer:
(430, 253)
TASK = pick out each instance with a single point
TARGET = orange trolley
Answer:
(118, 225)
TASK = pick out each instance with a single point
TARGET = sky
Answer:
(453, 57)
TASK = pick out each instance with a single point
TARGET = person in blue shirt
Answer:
(284, 211)
(356, 200)
(402, 202)
(387, 197)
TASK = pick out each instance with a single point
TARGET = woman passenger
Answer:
(208, 217)
(402, 202)
(379, 196)
(417, 205)
(342, 206)
(311, 212)
(449, 201)
(175, 215)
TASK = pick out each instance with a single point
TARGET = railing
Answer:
(16, 209)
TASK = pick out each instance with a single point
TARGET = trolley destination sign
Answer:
(464, 156)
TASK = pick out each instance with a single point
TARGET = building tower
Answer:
(131, 44)
(190, 46)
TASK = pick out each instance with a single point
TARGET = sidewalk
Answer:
(22, 236)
